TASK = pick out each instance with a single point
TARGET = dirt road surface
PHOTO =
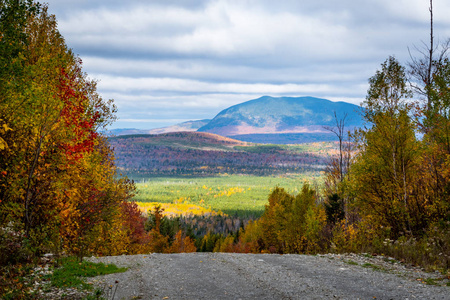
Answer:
(256, 276)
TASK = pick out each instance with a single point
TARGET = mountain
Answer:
(284, 115)
(185, 126)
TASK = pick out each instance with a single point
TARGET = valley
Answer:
(202, 173)
(235, 195)
(207, 179)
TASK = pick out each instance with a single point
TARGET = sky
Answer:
(166, 61)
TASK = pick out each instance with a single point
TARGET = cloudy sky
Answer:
(168, 61)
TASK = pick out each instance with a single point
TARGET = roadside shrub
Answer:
(431, 251)
(356, 237)
(345, 238)
(13, 246)
(12, 283)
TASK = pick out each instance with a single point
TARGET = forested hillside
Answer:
(205, 154)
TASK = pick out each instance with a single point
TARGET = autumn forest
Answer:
(385, 189)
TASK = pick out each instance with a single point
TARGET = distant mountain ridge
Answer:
(270, 115)
(185, 126)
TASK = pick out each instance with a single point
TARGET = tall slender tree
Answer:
(385, 165)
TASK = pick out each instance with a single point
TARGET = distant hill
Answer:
(207, 154)
(284, 115)
(182, 140)
(185, 126)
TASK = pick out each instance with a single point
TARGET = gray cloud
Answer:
(179, 60)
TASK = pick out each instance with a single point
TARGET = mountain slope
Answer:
(269, 115)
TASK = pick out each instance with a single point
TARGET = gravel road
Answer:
(263, 276)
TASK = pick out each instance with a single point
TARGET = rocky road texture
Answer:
(265, 276)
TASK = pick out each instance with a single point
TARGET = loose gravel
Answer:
(267, 276)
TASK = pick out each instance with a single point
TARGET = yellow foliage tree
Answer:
(292, 224)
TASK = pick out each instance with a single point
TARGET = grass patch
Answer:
(372, 266)
(72, 272)
(430, 281)
(351, 262)
(429, 251)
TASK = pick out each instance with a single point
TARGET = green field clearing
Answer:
(233, 194)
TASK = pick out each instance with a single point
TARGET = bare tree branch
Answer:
(339, 131)
(423, 67)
